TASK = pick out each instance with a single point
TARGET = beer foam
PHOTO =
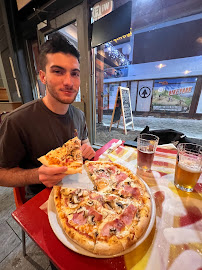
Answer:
(189, 167)
(146, 151)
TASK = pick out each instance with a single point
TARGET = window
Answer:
(160, 61)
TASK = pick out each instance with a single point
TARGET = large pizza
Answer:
(110, 218)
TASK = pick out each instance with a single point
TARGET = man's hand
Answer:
(87, 151)
(51, 176)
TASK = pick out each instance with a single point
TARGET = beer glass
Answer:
(146, 147)
(188, 166)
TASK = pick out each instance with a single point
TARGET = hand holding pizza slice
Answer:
(69, 155)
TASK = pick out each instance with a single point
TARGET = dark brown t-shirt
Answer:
(32, 130)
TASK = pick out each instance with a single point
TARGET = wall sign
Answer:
(144, 92)
(173, 95)
(144, 96)
(101, 9)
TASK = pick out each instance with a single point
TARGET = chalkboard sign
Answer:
(126, 104)
(123, 107)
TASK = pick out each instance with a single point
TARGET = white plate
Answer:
(57, 229)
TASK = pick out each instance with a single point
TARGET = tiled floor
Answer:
(11, 256)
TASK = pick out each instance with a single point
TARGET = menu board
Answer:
(122, 107)
(126, 104)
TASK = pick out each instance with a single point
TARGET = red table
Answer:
(174, 242)
(34, 222)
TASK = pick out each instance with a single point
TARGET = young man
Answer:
(45, 124)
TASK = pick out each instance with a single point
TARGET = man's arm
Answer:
(17, 177)
(87, 150)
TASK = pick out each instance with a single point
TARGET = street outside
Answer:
(192, 128)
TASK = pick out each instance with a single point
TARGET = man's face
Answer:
(62, 77)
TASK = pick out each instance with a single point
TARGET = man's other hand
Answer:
(87, 151)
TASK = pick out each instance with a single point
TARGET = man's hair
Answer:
(56, 43)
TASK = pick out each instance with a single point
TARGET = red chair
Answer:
(19, 196)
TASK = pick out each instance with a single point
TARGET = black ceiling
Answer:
(39, 10)
(45, 8)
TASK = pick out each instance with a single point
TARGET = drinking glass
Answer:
(146, 147)
(188, 166)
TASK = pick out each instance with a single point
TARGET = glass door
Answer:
(70, 32)
(74, 25)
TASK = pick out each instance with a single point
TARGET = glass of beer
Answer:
(188, 166)
(146, 147)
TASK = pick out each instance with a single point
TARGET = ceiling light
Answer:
(199, 40)
(187, 72)
(160, 66)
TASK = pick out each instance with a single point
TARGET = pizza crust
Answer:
(57, 197)
(140, 228)
(119, 166)
(128, 241)
(111, 247)
(74, 170)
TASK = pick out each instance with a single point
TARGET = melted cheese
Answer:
(69, 151)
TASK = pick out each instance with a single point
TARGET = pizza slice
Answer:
(79, 212)
(100, 173)
(69, 154)
(116, 233)
(106, 175)
(83, 215)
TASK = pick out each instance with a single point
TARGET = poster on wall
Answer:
(173, 95)
(144, 96)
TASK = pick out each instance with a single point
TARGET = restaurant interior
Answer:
(153, 49)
